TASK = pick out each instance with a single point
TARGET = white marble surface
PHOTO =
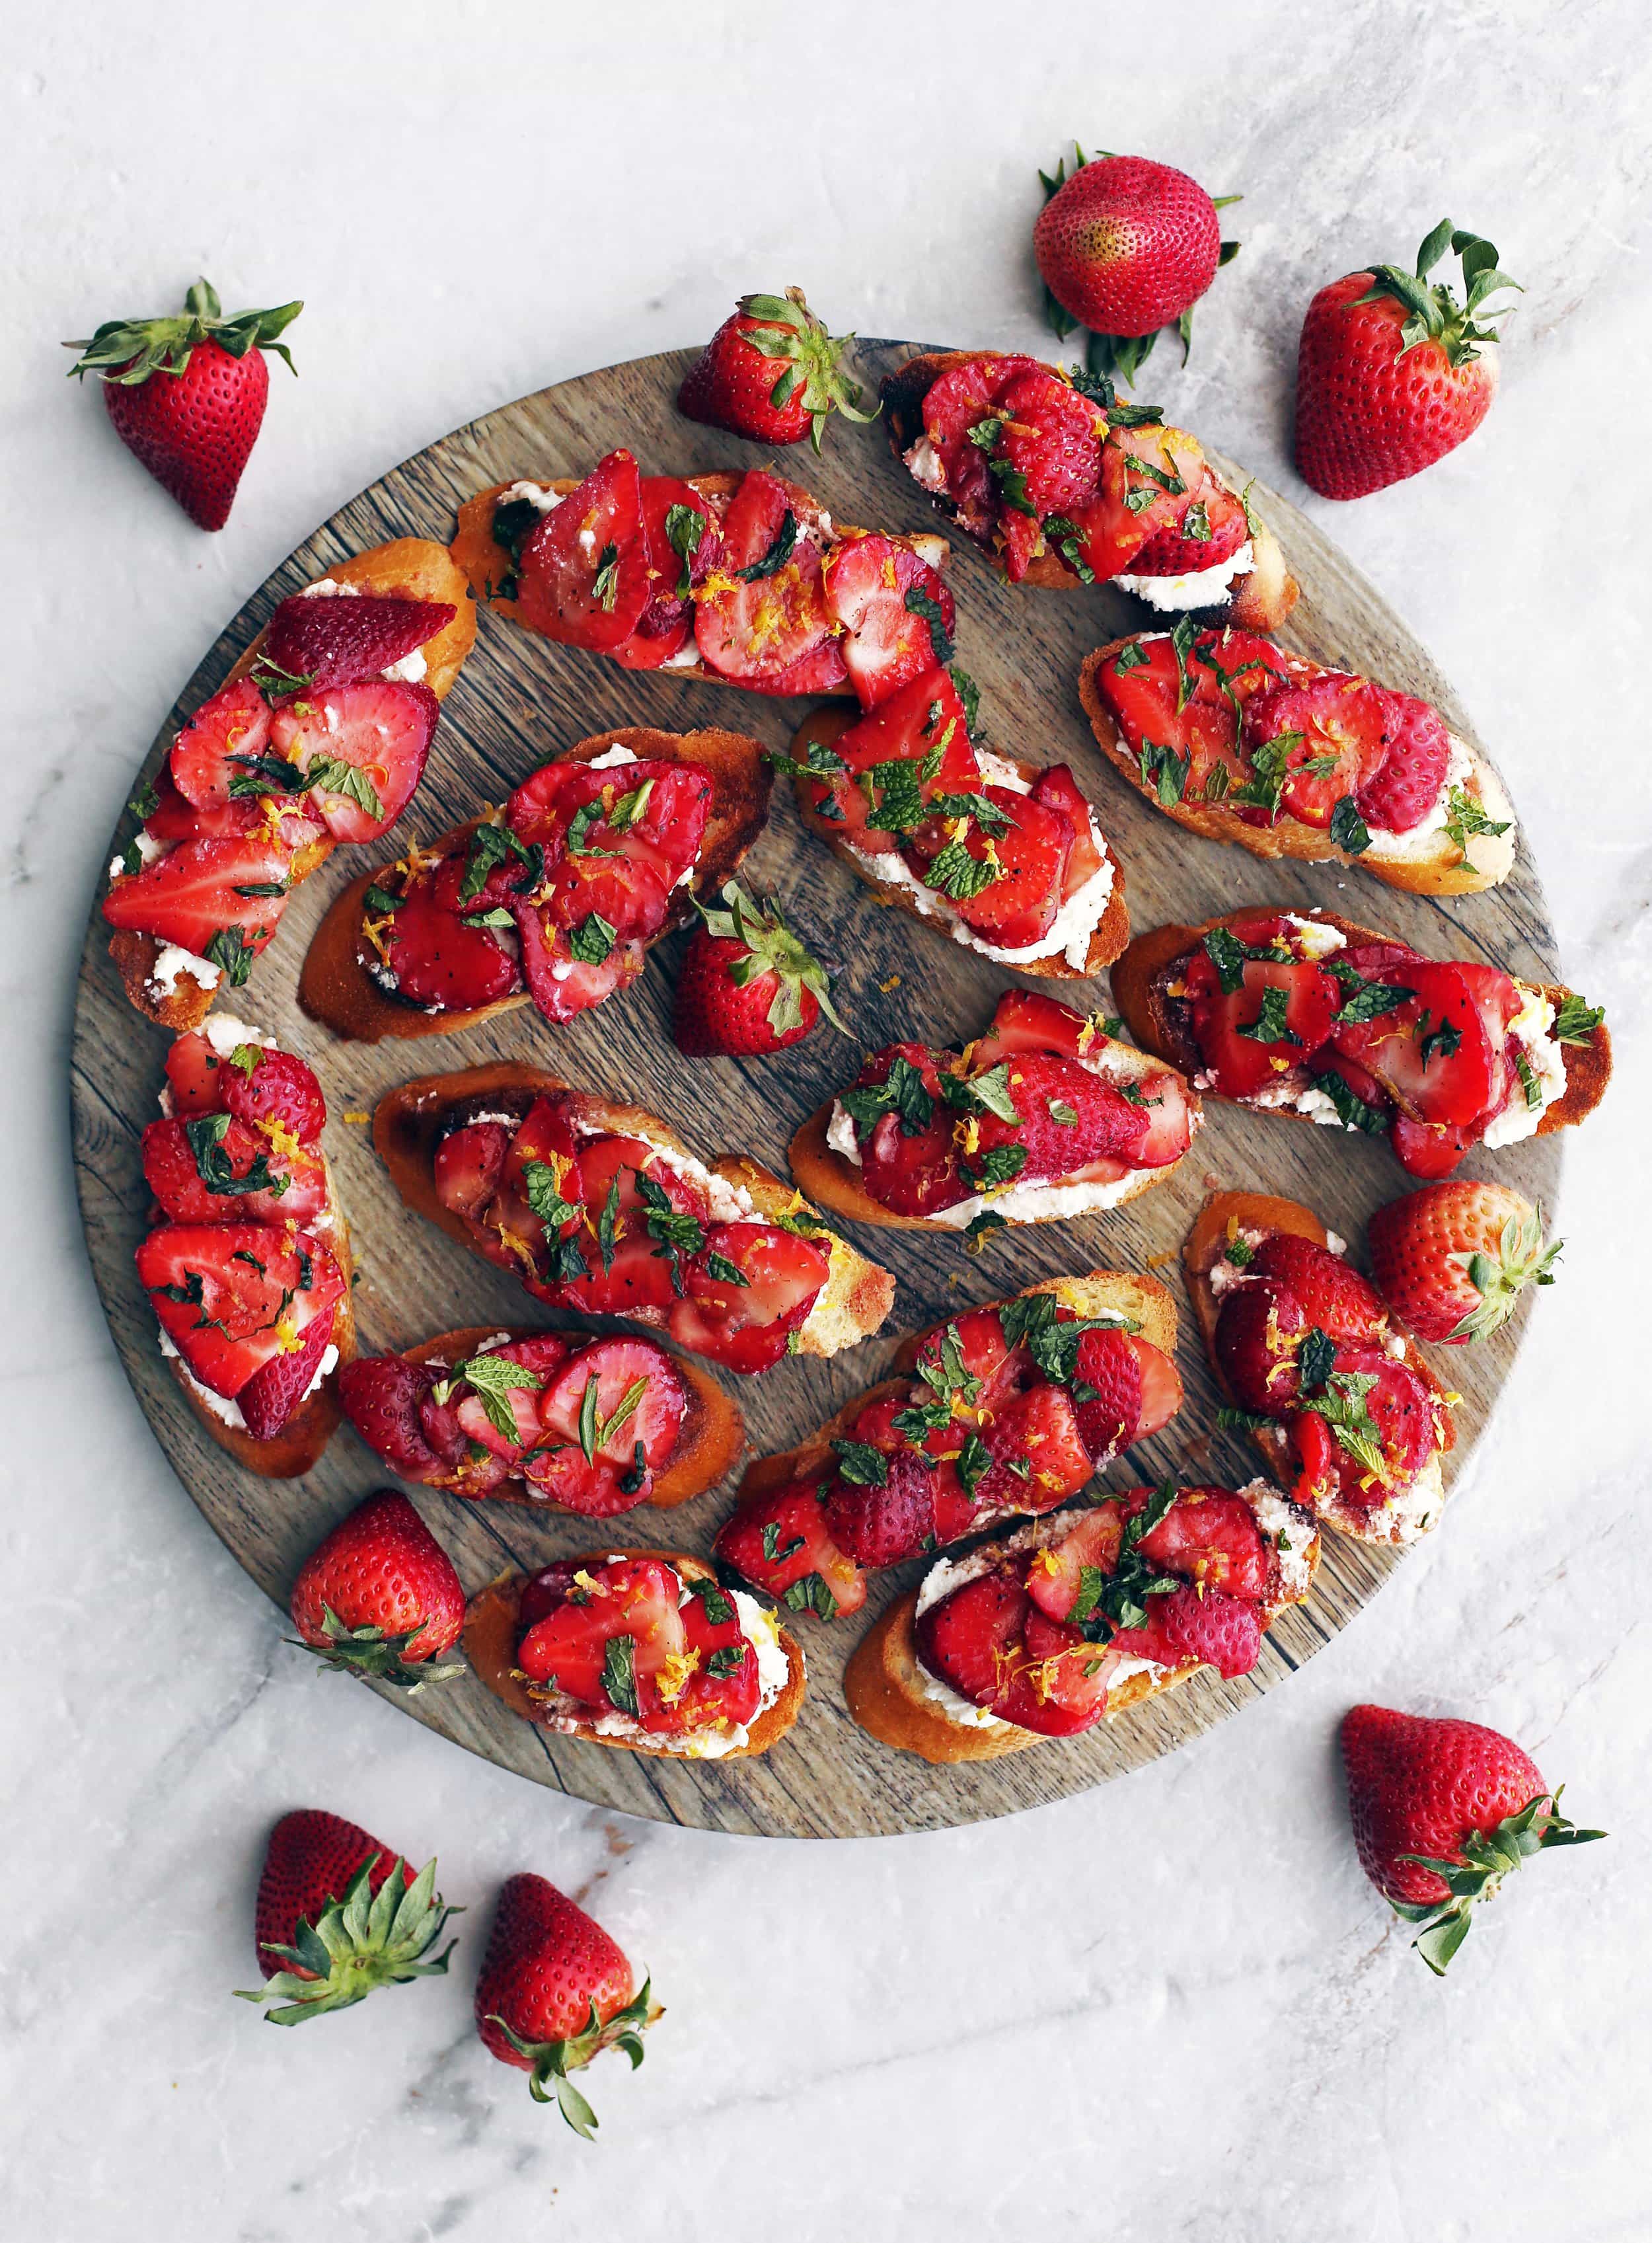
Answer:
(1173, 2010)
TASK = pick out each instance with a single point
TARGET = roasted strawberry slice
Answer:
(907, 1157)
(959, 400)
(821, 670)
(467, 1168)
(720, 1683)
(882, 1523)
(779, 1542)
(434, 959)
(765, 610)
(260, 1085)
(221, 742)
(1277, 1018)
(1067, 1672)
(608, 1421)
(1424, 1150)
(625, 894)
(1406, 785)
(382, 1395)
(572, 1612)
(682, 541)
(1039, 1454)
(896, 614)
(1068, 1120)
(1381, 1425)
(633, 1241)
(975, 1639)
(649, 811)
(1433, 1054)
(1211, 529)
(339, 639)
(362, 747)
(1259, 1330)
(1056, 1573)
(478, 1405)
(924, 719)
(1047, 458)
(1056, 789)
(1330, 1294)
(211, 1167)
(232, 1294)
(1210, 1537)
(1326, 736)
(569, 969)
(584, 577)
(750, 1287)
(1026, 845)
(193, 1075)
(1218, 1631)
(275, 1389)
(1181, 718)
(204, 889)
(1126, 1389)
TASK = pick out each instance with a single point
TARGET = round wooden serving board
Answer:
(519, 701)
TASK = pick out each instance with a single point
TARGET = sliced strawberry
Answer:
(1243, 1064)
(725, 1687)
(924, 718)
(1037, 1432)
(752, 626)
(260, 1084)
(1406, 786)
(1432, 1084)
(467, 1168)
(193, 1070)
(1161, 1388)
(1424, 1150)
(174, 819)
(1218, 1631)
(275, 1389)
(674, 569)
(564, 982)
(234, 724)
(1210, 1537)
(1329, 1292)
(1406, 1421)
(632, 1267)
(337, 641)
(750, 1287)
(1180, 550)
(380, 731)
(961, 400)
(202, 889)
(908, 1160)
(232, 1294)
(1050, 441)
(570, 1614)
(1057, 789)
(1029, 855)
(1107, 1387)
(199, 1167)
(1069, 1119)
(1153, 474)
(382, 1395)
(1068, 1674)
(583, 575)
(1025, 1020)
(821, 670)
(1332, 731)
(663, 822)
(896, 614)
(1055, 1574)
(631, 1424)
(1258, 1332)
(883, 1523)
(1192, 711)
(778, 1539)
(975, 1639)
(436, 959)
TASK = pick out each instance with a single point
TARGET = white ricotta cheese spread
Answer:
(1519, 1120)
(773, 1668)
(536, 495)
(926, 464)
(609, 757)
(1200, 588)
(173, 961)
(227, 1411)
(1069, 932)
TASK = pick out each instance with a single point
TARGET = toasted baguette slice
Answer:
(491, 1620)
(1438, 869)
(834, 1182)
(406, 1125)
(1138, 991)
(413, 568)
(488, 565)
(335, 986)
(1260, 600)
(710, 1441)
(1222, 1215)
(1108, 938)
(883, 1681)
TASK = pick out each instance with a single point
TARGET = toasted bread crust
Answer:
(414, 569)
(406, 1124)
(1443, 873)
(491, 1619)
(335, 987)
(1260, 600)
(1112, 930)
(710, 1441)
(1141, 1003)
(486, 564)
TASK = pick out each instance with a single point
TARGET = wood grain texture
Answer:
(521, 698)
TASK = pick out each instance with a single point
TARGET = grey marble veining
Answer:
(1173, 2009)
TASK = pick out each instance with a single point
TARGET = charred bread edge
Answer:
(1588, 1066)
(1309, 844)
(417, 568)
(490, 1647)
(1259, 601)
(1108, 938)
(743, 784)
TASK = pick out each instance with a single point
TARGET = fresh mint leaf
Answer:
(592, 940)
(919, 602)
(684, 526)
(778, 554)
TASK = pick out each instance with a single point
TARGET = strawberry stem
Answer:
(129, 351)
(364, 1940)
(550, 2061)
(1488, 1858)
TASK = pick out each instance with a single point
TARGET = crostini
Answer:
(1343, 1407)
(1005, 856)
(1009, 1408)
(248, 1263)
(1240, 741)
(643, 1649)
(595, 1423)
(1039, 1634)
(553, 900)
(601, 1209)
(320, 735)
(1306, 1014)
(736, 579)
(1043, 1117)
(1063, 484)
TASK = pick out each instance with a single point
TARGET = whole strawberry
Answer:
(186, 395)
(1451, 1260)
(1126, 246)
(771, 372)
(1390, 372)
(339, 1915)
(748, 985)
(1443, 1811)
(380, 1596)
(554, 1991)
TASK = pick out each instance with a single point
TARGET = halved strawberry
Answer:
(1056, 1573)
(959, 400)
(174, 819)
(1410, 1051)
(337, 641)
(777, 1540)
(765, 610)
(363, 747)
(1258, 1332)
(583, 575)
(1404, 1420)
(234, 723)
(260, 1084)
(1329, 1292)
(274, 1391)
(882, 1523)
(380, 1395)
(923, 718)
(1210, 1537)
(199, 1167)
(1406, 786)
(437, 959)
(1026, 1020)
(1210, 528)
(1035, 1433)
(203, 889)
(1242, 1063)
(750, 1287)
(725, 1687)
(976, 1640)
(1330, 732)
(1068, 1120)
(569, 970)
(229, 1296)
(896, 614)
(908, 1160)
(572, 1612)
(600, 1450)
(1067, 1673)
(1049, 441)
(1218, 1631)
(682, 542)
(193, 1075)
(1126, 1389)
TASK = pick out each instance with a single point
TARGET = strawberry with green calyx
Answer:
(1126, 246)
(748, 986)
(187, 394)
(1452, 1260)
(554, 1991)
(772, 373)
(1391, 372)
(343, 1917)
(379, 1597)
(1443, 1811)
